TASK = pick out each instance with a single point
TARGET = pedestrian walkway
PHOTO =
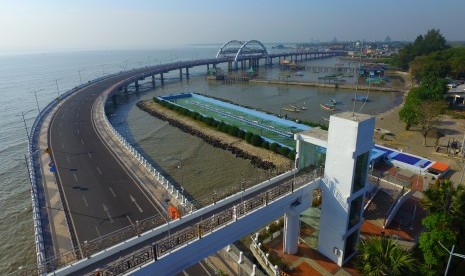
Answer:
(58, 234)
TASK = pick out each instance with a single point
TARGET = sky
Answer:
(117, 24)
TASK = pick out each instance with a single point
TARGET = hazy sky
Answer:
(116, 24)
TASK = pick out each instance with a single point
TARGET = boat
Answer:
(299, 74)
(360, 99)
(298, 107)
(328, 106)
(291, 108)
(333, 101)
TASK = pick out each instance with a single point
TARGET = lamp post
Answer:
(103, 70)
(179, 166)
(37, 102)
(80, 78)
(23, 114)
(56, 83)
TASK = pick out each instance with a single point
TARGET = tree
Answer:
(438, 229)
(428, 114)
(423, 45)
(409, 112)
(444, 197)
(382, 256)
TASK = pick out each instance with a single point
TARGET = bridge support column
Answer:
(187, 73)
(180, 73)
(291, 232)
(153, 80)
(229, 66)
(137, 85)
(208, 67)
(162, 80)
(125, 89)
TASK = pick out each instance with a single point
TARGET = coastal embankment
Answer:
(259, 157)
(327, 85)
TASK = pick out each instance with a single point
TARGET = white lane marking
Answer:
(130, 221)
(90, 156)
(105, 209)
(98, 169)
(111, 190)
(85, 201)
(135, 202)
(98, 232)
(77, 115)
(82, 142)
(62, 116)
(67, 158)
(77, 130)
(60, 133)
(62, 146)
(75, 177)
(76, 122)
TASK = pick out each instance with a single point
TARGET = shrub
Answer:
(248, 137)
(291, 155)
(256, 140)
(275, 147)
(265, 145)
(241, 134)
(284, 151)
(233, 130)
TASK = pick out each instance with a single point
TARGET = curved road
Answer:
(100, 194)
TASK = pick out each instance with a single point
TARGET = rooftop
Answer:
(353, 116)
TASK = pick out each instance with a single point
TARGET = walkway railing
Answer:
(33, 165)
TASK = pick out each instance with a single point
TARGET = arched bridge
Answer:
(244, 50)
(91, 161)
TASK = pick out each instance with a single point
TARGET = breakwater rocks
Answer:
(151, 108)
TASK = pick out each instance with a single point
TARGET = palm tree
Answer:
(382, 256)
(444, 197)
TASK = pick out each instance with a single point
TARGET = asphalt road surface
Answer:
(100, 194)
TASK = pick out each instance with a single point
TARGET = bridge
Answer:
(97, 197)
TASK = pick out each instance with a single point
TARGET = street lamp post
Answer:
(37, 102)
(58, 90)
(23, 114)
(179, 166)
(80, 78)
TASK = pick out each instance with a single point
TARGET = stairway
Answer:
(379, 206)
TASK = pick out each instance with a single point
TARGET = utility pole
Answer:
(451, 253)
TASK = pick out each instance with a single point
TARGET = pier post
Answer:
(153, 80)
(208, 67)
(291, 232)
(187, 73)
(162, 80)
(180, 73)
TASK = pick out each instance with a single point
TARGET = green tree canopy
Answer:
(382, 256)
(438, 229)
(432, 41)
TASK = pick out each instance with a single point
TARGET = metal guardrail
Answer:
(44, 265)
(207, 226)
(33, 166)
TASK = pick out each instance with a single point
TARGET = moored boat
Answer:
(328, 106)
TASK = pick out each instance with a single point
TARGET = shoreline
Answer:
(259, 157)
(327, 85)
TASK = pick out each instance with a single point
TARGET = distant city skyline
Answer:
(86, 25)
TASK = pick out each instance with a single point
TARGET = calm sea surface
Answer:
(199, 167)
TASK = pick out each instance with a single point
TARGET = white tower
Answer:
(350, 140)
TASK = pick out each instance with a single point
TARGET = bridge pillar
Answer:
(187, 73)
(153, 80)
(180, 73)
(208, 67)
(291, 232)
(125, 89)
(162, 80)
(137, 85)
(230, 66)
